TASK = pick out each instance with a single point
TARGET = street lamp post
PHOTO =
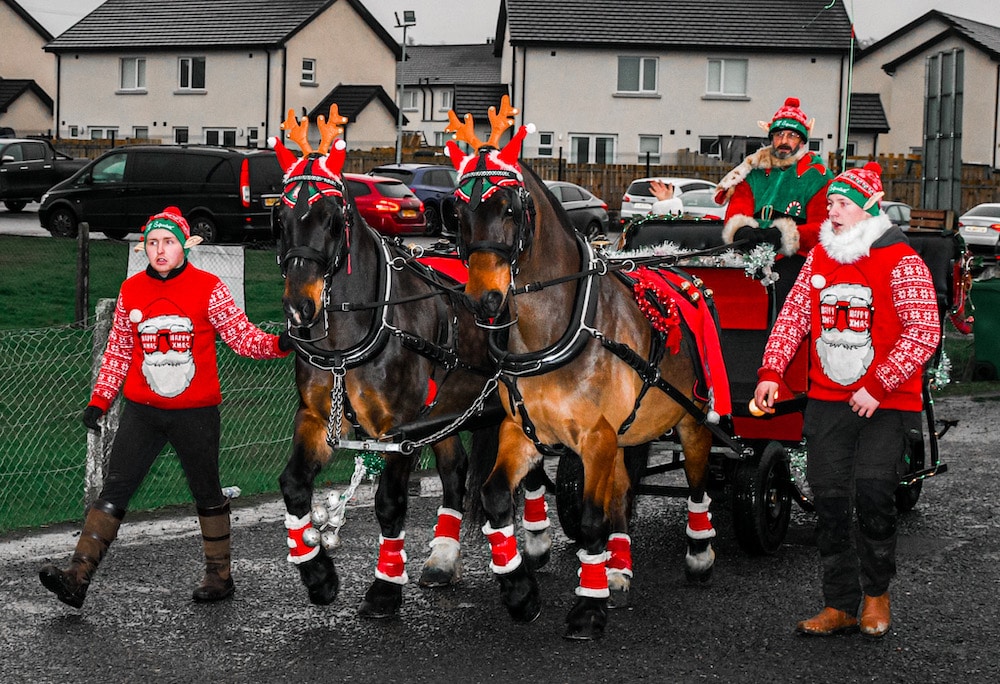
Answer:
(409, 19)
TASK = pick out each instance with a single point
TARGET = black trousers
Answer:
(854, 465)
(143, 432)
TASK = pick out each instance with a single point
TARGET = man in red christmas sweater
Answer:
(162, 349)
(777, 194)
(866, 303)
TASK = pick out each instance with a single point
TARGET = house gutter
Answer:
(267, 97)
(55, 121)
(524, 79)
(284, 76)
(996, 114)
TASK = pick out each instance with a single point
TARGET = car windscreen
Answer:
(265, 174)
(400, 174)
(696, 198)
(984, 210)
(393, 189)
(639, 188)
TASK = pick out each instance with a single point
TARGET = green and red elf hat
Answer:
(170, 219)
(790, 117)
(862, 186)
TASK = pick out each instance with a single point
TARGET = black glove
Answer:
(285, 342)
(90, 416)
(759, 236)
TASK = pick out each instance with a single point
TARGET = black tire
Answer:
(984, 371)
(116, 233)
(63, 223)
(569, 494)
(15, 206)
(762, 501)
(433, 216)
(907, 496)
(205, 227)
(593, 230)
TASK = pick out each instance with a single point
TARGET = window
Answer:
(447, 100)
(816, 145)
(649, 149)
(140, 132)
(592, 149)
(308, 71)
(133, 76)
(110, 169)
(409, 100)
(637, 74)
(74, 131)
(191, 73)
(727, 77)
(441, 138)
(545, 143)
(710, 147)
(103, 132)
(220, 136)
(852, 148)
(181, 135)
(252, 137)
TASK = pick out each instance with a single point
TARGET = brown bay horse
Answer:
(554, 314)
(381, 342)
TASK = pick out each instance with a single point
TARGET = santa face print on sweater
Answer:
(845, 346)
(167, 341)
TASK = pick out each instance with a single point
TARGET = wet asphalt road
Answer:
(139, 624)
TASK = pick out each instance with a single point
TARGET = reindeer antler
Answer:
(329, 128)
(466, 132)
(500, 122)
(298, 132)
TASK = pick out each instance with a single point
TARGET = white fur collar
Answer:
(855, 242)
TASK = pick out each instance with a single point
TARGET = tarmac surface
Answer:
(140, 625)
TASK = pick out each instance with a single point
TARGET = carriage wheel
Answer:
(761, 501)
(908, 495)
(569, 493)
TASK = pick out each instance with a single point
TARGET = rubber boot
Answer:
(218, 582)
(99, 529)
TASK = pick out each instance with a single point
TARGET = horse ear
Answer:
(286, 158)
(456, 154)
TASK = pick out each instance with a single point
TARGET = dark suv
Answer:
(224, 194)
(430, 182)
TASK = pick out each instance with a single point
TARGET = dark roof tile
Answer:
(477, 99)
(449, 64)
(13, 88)
(351, 100)
(867, 114)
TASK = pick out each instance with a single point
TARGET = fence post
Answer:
(99, 444)
(82, 276)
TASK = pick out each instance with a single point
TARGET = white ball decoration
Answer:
(330, 540)
(135, 315)
(818, 281)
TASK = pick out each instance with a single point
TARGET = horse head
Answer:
(312, 222)
(493, 210)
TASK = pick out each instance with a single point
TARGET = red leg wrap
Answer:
(391, 560)
(449, 523)
(503, 547)
(536, 511)
(620, 548)
(593, 575)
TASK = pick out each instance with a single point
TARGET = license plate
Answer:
(975, 229)
(642, 206)
(270, 201)
(409, 213)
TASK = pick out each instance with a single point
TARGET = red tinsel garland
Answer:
(669, 322)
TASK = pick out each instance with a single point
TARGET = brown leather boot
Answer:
(875, 617)
(99, 530)
(828, 621)
(218, 582)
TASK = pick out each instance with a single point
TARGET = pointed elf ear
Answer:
(764, 126)
(872, 200)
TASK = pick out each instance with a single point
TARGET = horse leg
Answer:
(605, 490)
(518, 586)
(385, 594)
(535, 519)
(444, 566)
(310, 453)
(696, 442)
(619, 541)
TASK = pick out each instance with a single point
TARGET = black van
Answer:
(225, 194)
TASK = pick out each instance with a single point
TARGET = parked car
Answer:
(430, 182)
(224, 194)
(588, 213)
(29, 167)
(898, 213)
(638, 198)
(387, 204)
(980, 228)
(701, 204)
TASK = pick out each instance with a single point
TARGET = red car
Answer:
(387, 204)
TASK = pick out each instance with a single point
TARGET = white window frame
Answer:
(546, 143)
(645, 64)
(309, 71)
(816, 145)
(132, 74)
(190, 62)
(712, 142)
(253, 136)
(409, 101)
(222, 132)
(593, 139)
(719, 89)
(654, 154)
(182, 131)
(447, 100)
(140, 132)
(103, 132)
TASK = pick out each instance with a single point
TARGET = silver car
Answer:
(638, 198)
(980, 228)
(701, 204)
(588, 213)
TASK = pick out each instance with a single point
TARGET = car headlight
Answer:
(44, 197)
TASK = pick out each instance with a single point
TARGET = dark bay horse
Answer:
(380, 342)
(571, 341)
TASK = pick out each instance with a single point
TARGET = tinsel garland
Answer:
(940, 375)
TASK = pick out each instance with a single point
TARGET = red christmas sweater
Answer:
(872, 321)
(162, 340)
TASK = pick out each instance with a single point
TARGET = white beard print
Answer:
(168, 372)
(844, 347)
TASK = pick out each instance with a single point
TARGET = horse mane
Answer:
(540, 186)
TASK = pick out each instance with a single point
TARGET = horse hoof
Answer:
(434, 578)
(537, 548)
(536, 562)
(619, 599)
(519, 590)
(586, 619)
(703, 577)
(382, 600)
(320, 578)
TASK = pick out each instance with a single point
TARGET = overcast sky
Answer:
(473, 21)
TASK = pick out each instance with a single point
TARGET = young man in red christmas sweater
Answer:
(865, 302)
(162, 349)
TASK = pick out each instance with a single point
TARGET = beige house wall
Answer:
(27, 116)
(21, 53)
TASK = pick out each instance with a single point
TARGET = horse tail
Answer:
(485, 443)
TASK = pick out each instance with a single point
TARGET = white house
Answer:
(27, 73)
